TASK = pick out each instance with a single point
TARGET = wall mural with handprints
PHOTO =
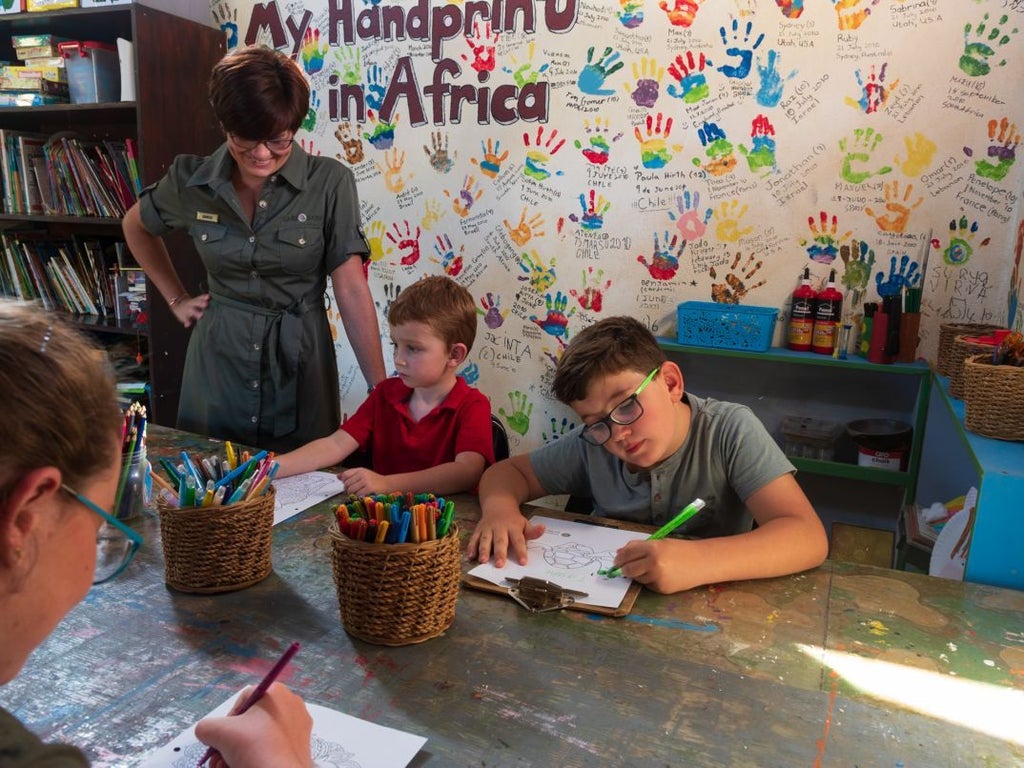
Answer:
(570, 159)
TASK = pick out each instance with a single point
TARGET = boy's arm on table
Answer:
(458, 476)
(322, 452)
(789, 538)
(503, 530)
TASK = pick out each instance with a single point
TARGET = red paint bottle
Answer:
(801, 315)
(828, 314)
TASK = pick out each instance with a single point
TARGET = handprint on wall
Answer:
(482, 44)
(540, 277)
(735, 285)
(691, 83)
(665, 257)
(920, 151)
(556, 322)
(647, 77)
(654, 147)
(897, 207)
(539, 153)
(463, 200)
(717, 148)
(681, 13)
(961, 244)
(440, 160)
(981, 42)
(591, 295)
(728, 228)
(494, 316)
(490, 163)
(850, 14)
(594, 207)
(740, 49)
(690, 220)
(518, 418)
(592, 77)
(391, 170)
(383, 134)
(825, 242)
(525, 230)
(450, 261)
(597, 147)
(903, 276)
(874, 92)
(761, 156)
(857, 150)
(408, 243)
(350, 142)
(1003, 138)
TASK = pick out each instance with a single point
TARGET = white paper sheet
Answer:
(570, 554)
(339, 741)
(300, 492)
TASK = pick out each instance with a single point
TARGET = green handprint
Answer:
(858, 261)
(976, 55)
(350, 59)
(863, 144)
(519, 419)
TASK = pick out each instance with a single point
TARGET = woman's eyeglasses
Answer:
(116, 543)
(626, 412)
(276, 146)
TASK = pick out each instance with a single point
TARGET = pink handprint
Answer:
(691, 223)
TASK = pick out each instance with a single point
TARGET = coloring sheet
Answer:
(300, 492)
(338, 741)
(570, 554)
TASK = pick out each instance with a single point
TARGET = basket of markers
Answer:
(396, 566)
(216, 520)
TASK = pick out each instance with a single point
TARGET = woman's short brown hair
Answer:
(60, 401)
(605, 348)
(258, 93)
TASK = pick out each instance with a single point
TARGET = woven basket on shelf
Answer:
(396, 594)
(217, 549)
(947, 333)
(962, 349)
(994, 398)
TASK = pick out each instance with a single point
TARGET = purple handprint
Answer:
(493, 316)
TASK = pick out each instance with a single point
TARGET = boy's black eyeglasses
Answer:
(626, 412)
(276, 146)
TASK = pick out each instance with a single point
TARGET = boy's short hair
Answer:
(438, 301)
(607, 347)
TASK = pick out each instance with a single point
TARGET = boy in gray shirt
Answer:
(645, 450)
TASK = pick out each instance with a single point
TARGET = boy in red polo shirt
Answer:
(426, 429)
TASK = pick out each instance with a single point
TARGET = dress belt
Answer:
(284, 341)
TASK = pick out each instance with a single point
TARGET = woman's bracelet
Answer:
(178, 298)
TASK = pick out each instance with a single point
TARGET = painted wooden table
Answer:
(845, 665)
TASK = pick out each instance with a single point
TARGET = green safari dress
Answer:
(260, 367)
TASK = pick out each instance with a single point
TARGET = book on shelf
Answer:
(130, 295)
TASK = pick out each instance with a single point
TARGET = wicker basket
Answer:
(217, 549)
(994, 398)
(947, 334)
(396, 594)
(962, 349)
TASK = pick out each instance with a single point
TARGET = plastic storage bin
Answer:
(809, 438)
(728, 326)
(94, 74)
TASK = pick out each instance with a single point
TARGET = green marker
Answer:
(688, 511)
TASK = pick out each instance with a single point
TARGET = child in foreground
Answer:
(60, 458)
(646, 449)
(426, 429)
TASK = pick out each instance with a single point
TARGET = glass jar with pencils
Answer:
(133, 488)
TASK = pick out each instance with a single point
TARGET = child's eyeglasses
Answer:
(276, 146)
(116, 543)
(626, 412)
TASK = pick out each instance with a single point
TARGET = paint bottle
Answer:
(801, 315)
(828, 312)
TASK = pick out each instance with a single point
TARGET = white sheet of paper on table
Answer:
(299, 492)
(339, 741)
(570, 554)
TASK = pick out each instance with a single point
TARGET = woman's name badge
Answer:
(212, 217)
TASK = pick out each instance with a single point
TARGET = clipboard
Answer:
(539, 596)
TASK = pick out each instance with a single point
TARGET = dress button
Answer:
(254, 275)
(302, 241)
(256, 347)
(252, 238)
(253, 419)
(263, 203)
(255, 384)
(203, 237)
(302, 217)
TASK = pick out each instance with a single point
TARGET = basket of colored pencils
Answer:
(396, 567)
(216, 527)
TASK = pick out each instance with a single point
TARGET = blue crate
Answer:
(725, 326)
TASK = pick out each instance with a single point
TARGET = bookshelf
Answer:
(170, 116)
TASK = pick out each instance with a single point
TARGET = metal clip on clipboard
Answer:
(538, 595)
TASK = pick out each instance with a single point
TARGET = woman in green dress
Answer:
(271, 222)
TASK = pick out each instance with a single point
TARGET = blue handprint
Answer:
(593, 212)
(906, 277)
(742, 69)
(769, 94)
(376, 87)
(557, 430)
(593, 74)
